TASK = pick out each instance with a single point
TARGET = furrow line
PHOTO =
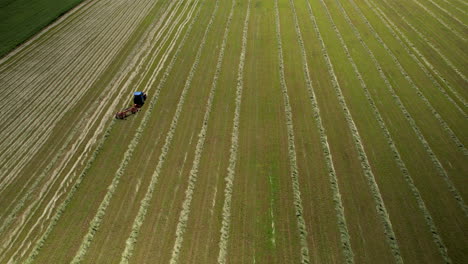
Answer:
(226, 218)
(95, 223)
(456, 33)
(298, 208)
(184, 214)
(392, 28)
(366, 167)
(398, 160)
(434, 112)
(338, 203)
(440, 169)
(430, 44)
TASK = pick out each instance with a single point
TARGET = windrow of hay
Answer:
(184, 214)
(454, 6)
(430, 44)
(434, 112)
(52, 113)
(145, 202)
(96, 222)
(298, 208)
(366, 167)
(393, 28)
(341, 219)
(226, 217)
(23, 219)
(449, 14)
(456, 33)
(440, 169)
(396, 154)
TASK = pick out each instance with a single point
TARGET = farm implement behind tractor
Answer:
(138, 102)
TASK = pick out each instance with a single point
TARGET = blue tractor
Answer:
(138, 101)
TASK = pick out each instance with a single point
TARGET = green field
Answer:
(283, 131)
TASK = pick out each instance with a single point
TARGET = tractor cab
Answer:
(139, 98)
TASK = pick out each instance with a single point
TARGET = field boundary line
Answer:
(96, 222)
(440, 169)
(399, 161)
(184, 215)
(364, 161)
(298, 208)
(229, 179)
(334, 186)
(145, 202)
(406, 75)
(393, 28)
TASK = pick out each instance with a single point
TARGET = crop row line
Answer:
(298, 208)
(396, 154)
(229, 179)
(339, 208)
(366, 167)
(434, 112)
(96, 221)
(440, 169)
(456, 33)
(60, 186)
(393, 28)
(184, 215)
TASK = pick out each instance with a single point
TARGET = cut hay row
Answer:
(392, 28)
(339, 208)
(115, 101)
(396, 154)
(430, 44)
(145, 202)
(449, 14)
(366, 167)
(40, 242)
(51, 108)
(226, 216)
(184, 214)
(55, 196)
(440, 169)
(37, 142)
(455, 7)
(96, 221)
(86, 115)
(436, 17)
(434, 112)
(298, 208)
(23, 49)
(83, 135)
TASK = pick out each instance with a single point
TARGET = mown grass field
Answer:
(284, 131)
